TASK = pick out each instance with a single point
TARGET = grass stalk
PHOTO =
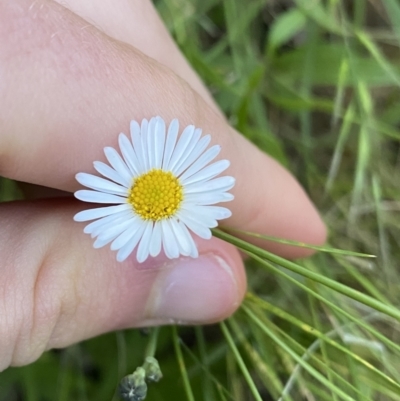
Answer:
(182, 366)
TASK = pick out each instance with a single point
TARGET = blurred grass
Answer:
(316, 85)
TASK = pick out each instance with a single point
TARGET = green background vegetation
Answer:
(316, 85)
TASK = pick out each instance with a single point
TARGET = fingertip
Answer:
(276, 206)
(199, 291)
(316, 234)
(308, 228)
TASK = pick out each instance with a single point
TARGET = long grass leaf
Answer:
(318, 376)
(308, 290)
(181, 363)
(240, 362)
(341, 288)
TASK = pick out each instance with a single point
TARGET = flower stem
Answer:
(152, 344)
(181, 363)
(387, 309)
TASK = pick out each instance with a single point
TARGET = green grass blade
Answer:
(264, 370)
(318, 376)
(393, 12)
(181, 363)
(326, 249)
(265, 305)
(378, 56)
(343, 289)
(333, 306)
(240, 362)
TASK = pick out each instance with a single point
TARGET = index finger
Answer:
(69, 90)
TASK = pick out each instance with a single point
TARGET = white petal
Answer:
(128, 248)
(187, 152)
(151, 132)
(215, 212)
(208, 198)
(208, 172)
(98, 197)
(197, 151)
(107, 236)
(92, 214)
(129, 154)
(218, 184)
(202, 220)
(99, 229)
(143, 137)
(170, 245)
(159, 142)
(155, 242)
(118, 164)
(194, 253)
(170, 142)
(125, 236)
(95, 225)
(144, 245)
(198, 229)
(100, 184)
(181, 236)
(99, 243)
(108, 172)
(122, 239)
(181, 147)
(203, 160)
(137, 145)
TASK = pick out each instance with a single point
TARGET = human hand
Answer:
(72, 79)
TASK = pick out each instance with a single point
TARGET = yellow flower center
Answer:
(156, 195)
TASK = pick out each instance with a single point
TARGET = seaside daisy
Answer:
(160, 190)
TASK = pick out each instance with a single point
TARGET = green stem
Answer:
(181, 363)
(240, 362)
(341, 288)
(354, 319)
(152, 344)
(318, 376)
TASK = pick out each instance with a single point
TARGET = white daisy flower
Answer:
(162, 189)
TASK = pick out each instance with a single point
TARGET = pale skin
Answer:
(72, 77)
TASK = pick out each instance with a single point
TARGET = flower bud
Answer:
(133, 387)
(152, 369)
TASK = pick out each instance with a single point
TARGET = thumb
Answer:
(57, 290)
